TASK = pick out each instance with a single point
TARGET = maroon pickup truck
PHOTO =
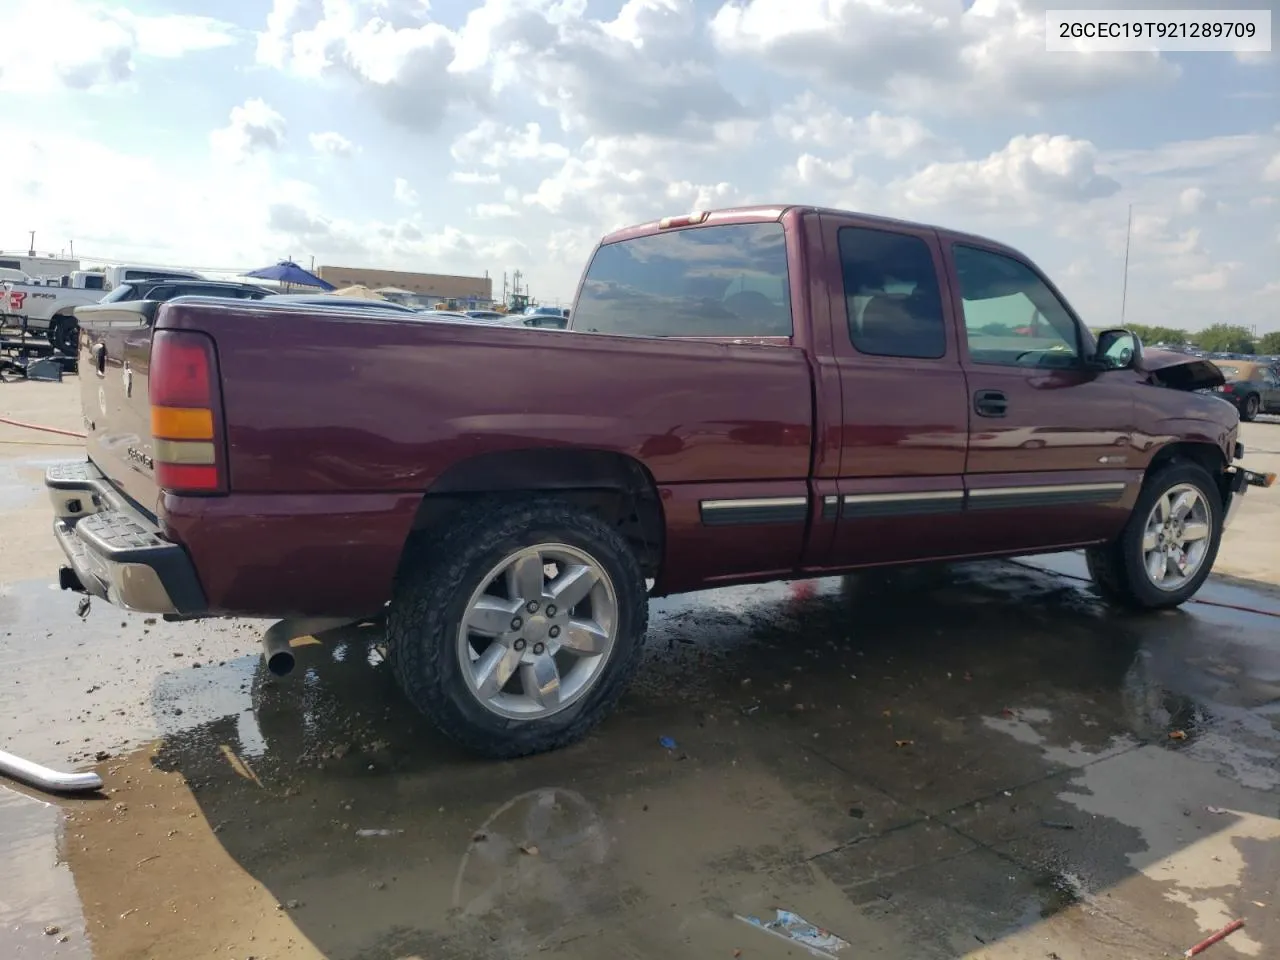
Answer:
(746, 395)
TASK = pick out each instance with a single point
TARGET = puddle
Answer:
(900, 696)
(39, 909)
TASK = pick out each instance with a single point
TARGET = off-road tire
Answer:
(1117, 567)
(64, 335)
(1251, 407)
(431, 593)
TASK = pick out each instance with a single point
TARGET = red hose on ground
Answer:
(41, 427)
(1207, 603)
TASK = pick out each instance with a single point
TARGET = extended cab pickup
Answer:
(745, 395)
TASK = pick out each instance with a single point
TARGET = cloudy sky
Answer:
(455, 137)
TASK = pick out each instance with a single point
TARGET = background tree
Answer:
(1225, 338)
(1153, 335)
(1270, 342)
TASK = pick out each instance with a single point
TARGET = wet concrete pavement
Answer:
(984, 761)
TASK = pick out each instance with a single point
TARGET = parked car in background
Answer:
(49, 305)
(545, 319)
(160, 290)
(1252, 386)
(748, 395)
(487, 315)
(332, 301)
(134, 301)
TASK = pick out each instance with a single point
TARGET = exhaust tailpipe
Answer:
(277, 650)
(277, 642)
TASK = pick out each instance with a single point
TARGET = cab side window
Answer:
(891, 294)
(1011, 317)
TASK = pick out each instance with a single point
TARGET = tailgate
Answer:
(115, 351)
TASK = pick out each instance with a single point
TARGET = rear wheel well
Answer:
(614, 487)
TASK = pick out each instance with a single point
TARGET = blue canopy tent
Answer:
(290, 274)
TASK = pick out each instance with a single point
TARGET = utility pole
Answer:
(72, 244)
(1124, 292)
(31, 250)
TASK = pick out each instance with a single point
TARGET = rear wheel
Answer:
(1250, 408)
(1169, 545)
(520, 626)
(64, 334)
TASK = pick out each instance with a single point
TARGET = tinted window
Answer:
(891, 294)
(1011, 316)
(721, 281)
(125, 291)
(156, 275)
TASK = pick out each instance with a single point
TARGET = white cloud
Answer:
(495, 211)
(333, 144)
(493, 145)
(1271, 173)
(811, 122)
(645, 71)
(474, 178)
(404, 193)
(81, 45)
(392, 52)
(269, 217)
(612, 181)
(1026, 170)
(1194, 200)
(931, 54)
(254, 127)
(1206, 281)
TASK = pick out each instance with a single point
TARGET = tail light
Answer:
(183, 384)
(1228, 388)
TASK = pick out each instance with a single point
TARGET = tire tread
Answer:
(417, 625)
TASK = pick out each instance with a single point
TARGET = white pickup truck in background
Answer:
(48, 306)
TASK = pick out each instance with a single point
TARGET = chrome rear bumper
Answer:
(115, 551)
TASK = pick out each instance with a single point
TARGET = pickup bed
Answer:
(742, 396)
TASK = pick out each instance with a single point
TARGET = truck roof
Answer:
(766, 212)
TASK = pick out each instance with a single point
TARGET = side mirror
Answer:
(1117, 350)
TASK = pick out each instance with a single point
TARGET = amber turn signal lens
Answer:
(182, 423)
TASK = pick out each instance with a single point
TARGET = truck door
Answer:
(1050, 458)
(903, 423)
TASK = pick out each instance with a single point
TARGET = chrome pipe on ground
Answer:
(54, 781)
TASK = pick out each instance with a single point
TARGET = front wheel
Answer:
(517, 628)
(1251, 407)
(1168, 547)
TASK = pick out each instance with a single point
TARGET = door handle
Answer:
(990, 403)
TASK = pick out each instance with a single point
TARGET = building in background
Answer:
(438, 285)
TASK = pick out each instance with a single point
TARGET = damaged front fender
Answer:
(1167, 368)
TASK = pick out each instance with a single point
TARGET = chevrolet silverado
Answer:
(742, 396)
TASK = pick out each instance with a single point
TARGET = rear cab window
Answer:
(719, 281)
(892, 301)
